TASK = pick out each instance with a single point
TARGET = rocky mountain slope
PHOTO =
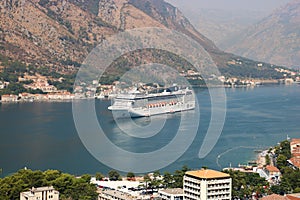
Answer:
(276, 39)
(59, 34)
(219, 25)
(49, 33)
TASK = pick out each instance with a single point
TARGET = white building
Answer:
(206, 184)
(273, 173)
(114, 195)
(2, 86)
(41, 193)
(171, 194)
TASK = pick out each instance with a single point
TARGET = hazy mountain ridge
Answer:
(275, 39)
(220, 25)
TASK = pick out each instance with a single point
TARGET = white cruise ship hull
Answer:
(147, 112)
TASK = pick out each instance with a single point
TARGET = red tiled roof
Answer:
(207, 173)
(290, 197)
(295, 141)
(296, 154)
(295, 151)
(274, 197)
(295, 161)
(272, 169)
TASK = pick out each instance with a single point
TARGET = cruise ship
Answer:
(136, 104)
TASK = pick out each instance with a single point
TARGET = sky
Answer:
(258, 5)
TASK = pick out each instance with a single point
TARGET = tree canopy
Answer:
(114, 175)
(69, 186)
(245, 184)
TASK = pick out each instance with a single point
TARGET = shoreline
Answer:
(261, 159)
(31, 99)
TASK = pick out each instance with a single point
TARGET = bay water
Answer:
(42, 135)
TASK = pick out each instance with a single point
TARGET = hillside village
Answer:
(42, 46)
(48, 92)
(53, 38)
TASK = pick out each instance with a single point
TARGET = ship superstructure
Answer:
(142, 104)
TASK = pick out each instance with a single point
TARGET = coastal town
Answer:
(210, 184)
(267, 179)
(49, 92)
(215, 117)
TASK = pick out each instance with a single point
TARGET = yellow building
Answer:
(206, 184)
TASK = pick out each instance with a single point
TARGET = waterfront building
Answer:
(295, 152)
(295, 145)
(273, 174)
(115, 185)
(41, 193)
(295, 196)
(114, 194)
(2, 86)
(295, 162)
(171, 194)
(9, 98)
(206, 184)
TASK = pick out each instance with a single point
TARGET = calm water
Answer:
(43, 135)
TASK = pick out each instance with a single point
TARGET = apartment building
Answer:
(206, 184)
(41, 193)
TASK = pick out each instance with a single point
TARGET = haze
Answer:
(258, 5)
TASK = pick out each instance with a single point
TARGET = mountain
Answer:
(275, 39)
(220, 25)
(49, 33)
(59, 34)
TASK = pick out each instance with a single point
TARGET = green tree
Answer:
(5, 190)
(86, 178)
(81, 189)
(276, 189)
(156, 182)
(99, 176)
(69, 186)
(284, 148)
(147, 180)
(244, 184)
(64, 185)
(281, 161)
(268, 161)
(178, 177)
(185, 168)
(290, 179)
(51, 175)
(114, 175)
(130, 175)
(296, 190)
(167, 180)
(156, 174)
(15, 88)
(22, 180)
